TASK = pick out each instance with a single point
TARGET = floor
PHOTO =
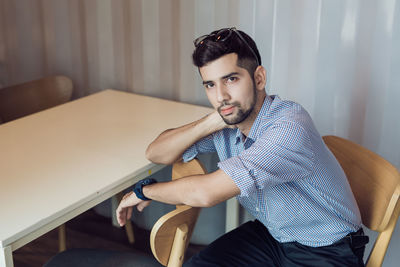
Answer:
(89, 230)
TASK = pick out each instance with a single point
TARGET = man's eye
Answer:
(232, 79)
(209, 85)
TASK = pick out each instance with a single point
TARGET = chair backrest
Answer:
(375, 183)
(27, 98)
(171, 234)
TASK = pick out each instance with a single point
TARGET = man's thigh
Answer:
(252, 245)
(340, 254)
(248, 245)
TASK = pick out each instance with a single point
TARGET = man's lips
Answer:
(227, 110)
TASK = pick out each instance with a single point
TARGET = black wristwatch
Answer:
(138, 187)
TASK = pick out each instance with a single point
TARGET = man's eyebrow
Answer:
(230, 75)
(223, 77)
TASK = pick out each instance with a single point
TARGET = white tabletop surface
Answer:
(54, 161)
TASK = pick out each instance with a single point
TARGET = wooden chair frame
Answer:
(171, 234)
(27, 98)
(375, 183)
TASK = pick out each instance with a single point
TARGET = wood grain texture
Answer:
(164, 233)
(375, 183)
(31, 97)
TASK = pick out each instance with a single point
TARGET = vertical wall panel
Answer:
(135, 34)
(105, 40)
(176, 48)
(188, 81)
(151, 46)
(264, 25)
(79, 56)
(166, 50)
(6, 43)
(339, 59)
(119, 44)
(28, 45)
(91, 37)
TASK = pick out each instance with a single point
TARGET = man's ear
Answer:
(260, 77)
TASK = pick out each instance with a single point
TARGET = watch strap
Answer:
(138, 187)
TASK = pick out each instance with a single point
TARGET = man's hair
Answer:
(210, 50)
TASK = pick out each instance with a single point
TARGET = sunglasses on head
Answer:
(221, 36)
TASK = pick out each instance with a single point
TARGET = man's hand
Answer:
(125, 208)
(218, 122)
(169, 146)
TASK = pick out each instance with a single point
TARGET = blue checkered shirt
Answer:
(288, 178)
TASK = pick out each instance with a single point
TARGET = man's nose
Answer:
(222, 94)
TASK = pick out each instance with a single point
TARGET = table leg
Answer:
(6, 259)
(232, 214)
(114, 206)
(62, 238)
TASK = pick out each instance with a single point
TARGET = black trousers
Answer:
(252, 245)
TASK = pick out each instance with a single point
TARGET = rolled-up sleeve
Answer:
(283, 153)
(205, 145)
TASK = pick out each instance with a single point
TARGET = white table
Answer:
(56, 164)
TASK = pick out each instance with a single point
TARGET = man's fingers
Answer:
(121, 216)
(125, 207)
(143, 205)
(129, 200)
(127, 195)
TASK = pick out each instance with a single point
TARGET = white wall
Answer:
(340, 59)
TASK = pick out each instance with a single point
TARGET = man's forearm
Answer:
(169, 146)
(196, 191)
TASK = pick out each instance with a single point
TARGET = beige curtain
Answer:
(340, 59)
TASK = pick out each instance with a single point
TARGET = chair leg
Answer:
(177, 254)
(62, 244)
(129, 232)
(128, 225)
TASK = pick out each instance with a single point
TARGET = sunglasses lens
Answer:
(223, 35)
(200, 40)
(220, 36)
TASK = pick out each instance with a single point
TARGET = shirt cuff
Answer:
(241, 176)
(190, 153)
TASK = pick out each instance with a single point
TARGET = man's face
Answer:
(229, 88)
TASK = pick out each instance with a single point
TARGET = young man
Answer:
(271, 158)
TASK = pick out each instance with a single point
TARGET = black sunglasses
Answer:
(221, 36)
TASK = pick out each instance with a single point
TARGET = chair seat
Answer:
(83, 257)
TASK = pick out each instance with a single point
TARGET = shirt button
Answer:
(257, 209)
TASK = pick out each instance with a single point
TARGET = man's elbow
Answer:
(149, 154)
(208, 203)
(156, 158)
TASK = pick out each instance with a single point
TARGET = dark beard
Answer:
(242, 114)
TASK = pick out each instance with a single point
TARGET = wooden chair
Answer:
(31, 97)
(169, 237)
(376, 186)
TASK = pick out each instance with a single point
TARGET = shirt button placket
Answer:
(251, 171)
